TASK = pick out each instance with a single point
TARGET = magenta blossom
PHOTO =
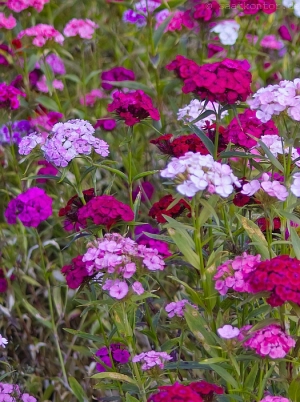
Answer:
(119, 354)
(83, 28)
(42, 33)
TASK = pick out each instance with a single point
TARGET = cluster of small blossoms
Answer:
(119, 354)
(142, 238)
(271, 398)
(116, 74)
(42, 84)
(251, 7)
(280, 276)
(162, 207)
(228, 31)
(152, 359)
(274, 99)
(195, 108)
(42, 33)
(232, 274)
(20, 5)
(76, 272)
(83, 28)
(54, 62)
(179, 146)
(12, 393)
(121, 257)
(65, 142)
(9, 96)
(7, 22)
(90, 98)
(294, 4)
(179, 20)
(198, 172)
(272, 187)
(269, 341)
(177, 308)
(12, 133)
(246, 124)
(140, 12)
(31, 208)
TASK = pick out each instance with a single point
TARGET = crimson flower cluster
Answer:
(200, 391)
(255, 6)
(9, 96)
(227, 81)
(206, 11)
(161, 208)
(247, 123)
(133, 107)
(280, 276)
(116, 74)
(179, 146)
(104, 210)
(76, 272)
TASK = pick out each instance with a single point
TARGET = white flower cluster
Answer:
(293, 3)
(198, 172)
(228, 31)
(193, 110)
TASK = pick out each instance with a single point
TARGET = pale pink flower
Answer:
(228, 332)
(251, 188)
(91, 98)
(83, 28)
(295, 187)
(271, 398)
(118, 290)
(177, 308)
(275, 189)
(3, 341)
(43, 87)
(7, 22)
(152, 359)
(20, 5)
(138, 288)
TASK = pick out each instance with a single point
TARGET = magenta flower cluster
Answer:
(152, 359)
(7, 22)
(271, 398)
(41, 34)
(83, 28)
(119, 354)
(120, 258)
(20, 5)
(31, 208)
(116, 74)
(9, 96)
(12, 393)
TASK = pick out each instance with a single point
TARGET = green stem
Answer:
(76, 172)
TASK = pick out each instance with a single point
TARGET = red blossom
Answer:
(175, 393)
(180, 145)
(206, 390)
(75, 273)
(161, 208)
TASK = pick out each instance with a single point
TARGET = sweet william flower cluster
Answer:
(196, 172)
(41, 34)
(83, 28)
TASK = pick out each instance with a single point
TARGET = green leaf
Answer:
(35, 313)
(225, 375)
(78, 390)
(73, 77)
(294, 390)
(84, 335)
(206, 141)
(160, 31)
(295, 242)
(202, 116)
(114, 376)
(251, 377)
(209, 209)
(140, 175)
(48, 103)
(180, 239)
(272, 158)
(91, 75)
(113, 170)
(130, 398)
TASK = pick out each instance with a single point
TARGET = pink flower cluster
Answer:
(20, 5)
(269, 341)
(201, 173)
(152, 359)
(12, 393)
(245, 125)
(177, 308)
(31, 208)
(274, 99)
(272, 187)
(251, 7)
(91, 98)
(270, 398)
(83, 28)
(65, 142)
(227, 81)
(119, 354)
(42, 33)
(42, 84)
(7, 22)
(120, 258)
(9, 96)
(295, 187)
(179, 20)
(232, 274)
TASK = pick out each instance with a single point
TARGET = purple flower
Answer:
(116, 74)
(106, 124)
(132, 17)
(56, 64)
(177, 308)
(152, 359)
(119, 354)
(137, 287)
(146, 189)
(31, 208)
(12, 133)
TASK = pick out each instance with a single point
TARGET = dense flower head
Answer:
(65, 142)
(91, 98)
(12, 132)
(152, 359)
(265, 224)
(104, 210)
(198, 172)
(274, 99)
(273, 188)
(119, 354)
(177, 309)
(227, 81)
(70, 211)
(20, 5)
(247, 123)
(116, 74)
(142, 238)
(46, 169)
(180, 19)
(9, 96)
(270, 341)
(42, 84)
(133, 107)
(31, 208)
(279, 276)
(132, 17)
(233, 273)
(228, 31)
(206, 390)
(254, 6)
(7, 22)
(55, 62)
(206, 11)
(83, 28)
(12, 393)
(195, 108)
(162, 207)
(179, 146)
(175, 393)
(42, 33)
(271, 398)
(44, 121)
(120, 258)
(76, 272)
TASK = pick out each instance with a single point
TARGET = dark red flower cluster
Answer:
(247, 123)
(280, 276)
(210, 131)
(227, 81)
(75, 273)
(70, 211)
(180, 145)
(264, 224)
(161, 208)
(207, 11)
(116, 74)
(9, 96)
(133, 107)
(194, 392)
(104, 210)
(255, 6)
